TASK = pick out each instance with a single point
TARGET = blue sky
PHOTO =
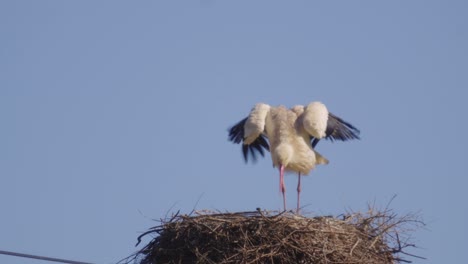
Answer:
(116, 113)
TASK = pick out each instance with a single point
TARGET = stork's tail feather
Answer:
(320, 159)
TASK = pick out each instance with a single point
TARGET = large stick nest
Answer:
(268, 237)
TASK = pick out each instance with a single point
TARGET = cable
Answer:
(2, 252)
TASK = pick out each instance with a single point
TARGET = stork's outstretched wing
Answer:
(250, 131)
(338, 129)
(236, 135)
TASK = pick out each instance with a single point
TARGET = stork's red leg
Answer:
(298, 191)
(282, 186)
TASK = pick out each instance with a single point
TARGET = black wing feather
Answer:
(314, 142)
(236, 132)
(236, 135)
(338, 129)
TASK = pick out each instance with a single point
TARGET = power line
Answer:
(2, 252)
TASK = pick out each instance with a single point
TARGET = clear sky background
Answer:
(114, 113)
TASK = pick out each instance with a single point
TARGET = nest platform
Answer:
(273, 237)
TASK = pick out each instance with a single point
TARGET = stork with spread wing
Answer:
(291, 136)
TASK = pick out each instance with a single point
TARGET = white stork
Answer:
(291, 136)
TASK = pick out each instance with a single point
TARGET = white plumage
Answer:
(255, 123)
(290, 135)
(315, 119)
